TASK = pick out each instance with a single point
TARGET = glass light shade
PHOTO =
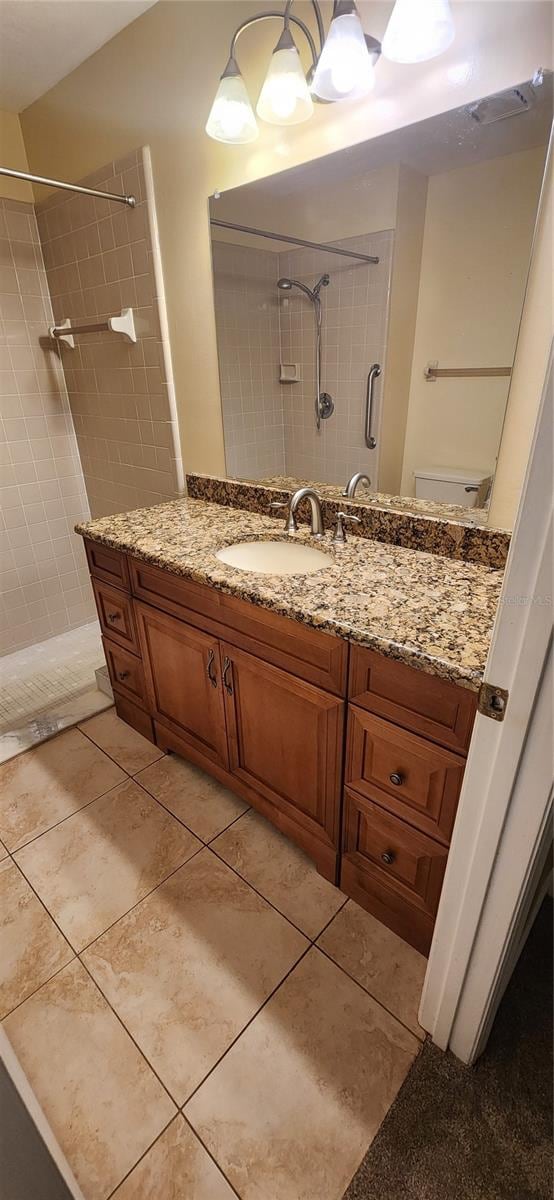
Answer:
(418, 30)
(232, 117)
(345, 68)
(285, 97)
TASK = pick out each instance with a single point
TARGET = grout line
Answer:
(270, 902)
(245, 1027)
(143, 1155)
(129, 1034)
(370, 994)
(209, 1153)
(141, 900)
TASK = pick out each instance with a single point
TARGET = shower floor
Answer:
(48, 687)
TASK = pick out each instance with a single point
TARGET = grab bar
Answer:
(374, 373)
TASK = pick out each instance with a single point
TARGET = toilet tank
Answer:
(450, 485)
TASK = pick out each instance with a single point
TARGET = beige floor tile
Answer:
(176, 1168)
(388, 967)
(93, 867)
(280, 871)
(130, 749)
(31, 947)
(3, 851)
(46, 784)
(293, 1106)
(102, 1101)
(200, 801)
(187, 968)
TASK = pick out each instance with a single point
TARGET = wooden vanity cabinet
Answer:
(259, 701)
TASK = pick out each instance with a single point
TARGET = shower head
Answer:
(286, 284)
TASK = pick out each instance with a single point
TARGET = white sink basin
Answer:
(275, 558)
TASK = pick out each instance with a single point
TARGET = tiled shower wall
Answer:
(270, 427)
(355, 315)
(99, 259)
(45, 584)
(247, 320)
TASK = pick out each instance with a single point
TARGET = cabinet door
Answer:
(183, 678)
(285, 745)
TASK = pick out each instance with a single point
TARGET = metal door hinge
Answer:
(492, 701)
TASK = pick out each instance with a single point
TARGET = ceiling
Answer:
(442, 143)
(41, 41)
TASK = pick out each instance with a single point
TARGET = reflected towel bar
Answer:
(433, 371)
(122, 323)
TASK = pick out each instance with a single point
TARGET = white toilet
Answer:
(450, 485)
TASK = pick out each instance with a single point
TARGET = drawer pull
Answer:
(396, 778)
(114, 616)
(388, 857)
(226, 668)
(210, 670)
(121, 675)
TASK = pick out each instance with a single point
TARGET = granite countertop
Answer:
(431, 612)
(433, 509)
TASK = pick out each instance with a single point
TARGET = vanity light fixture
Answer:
(418, 31)
(342, 69)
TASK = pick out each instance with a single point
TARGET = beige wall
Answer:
(406, 265)
(154, 84)
(476, 247)
(533, 349)
(13, 154)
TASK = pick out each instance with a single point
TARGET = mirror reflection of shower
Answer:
(324, 403)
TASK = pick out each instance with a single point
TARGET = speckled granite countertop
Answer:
(431, 612)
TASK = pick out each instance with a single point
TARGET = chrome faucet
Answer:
(351, 487)
(304, 493)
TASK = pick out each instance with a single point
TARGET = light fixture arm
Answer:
(285, 16)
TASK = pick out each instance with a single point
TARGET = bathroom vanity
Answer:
(288, 692)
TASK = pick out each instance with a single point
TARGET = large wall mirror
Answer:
(367, 304)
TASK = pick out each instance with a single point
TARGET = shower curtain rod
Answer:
(281, 237)
(69, 187)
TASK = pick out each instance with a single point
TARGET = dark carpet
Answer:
(482, 1132)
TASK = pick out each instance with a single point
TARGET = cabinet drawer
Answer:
(108, 565)
(115, 611)
(126, 672)
(434, 707)
(406, 774)
(392, 870)
(310, 654)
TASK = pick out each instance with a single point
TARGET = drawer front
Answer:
(108, 565)
(392, 870)
(115, 611)
(407, 775)
(126, 672)
(311, 655)
(422, 703)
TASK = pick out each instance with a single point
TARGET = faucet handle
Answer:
(339, 536)
(290, 519)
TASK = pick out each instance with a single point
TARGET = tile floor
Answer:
(199, 1013)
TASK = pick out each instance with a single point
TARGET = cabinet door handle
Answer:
(396, 778)
(388, 857)
(210, 669)
(114, 616)
(123, 675)
(226, 668)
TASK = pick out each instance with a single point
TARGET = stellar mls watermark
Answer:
(519, 601)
